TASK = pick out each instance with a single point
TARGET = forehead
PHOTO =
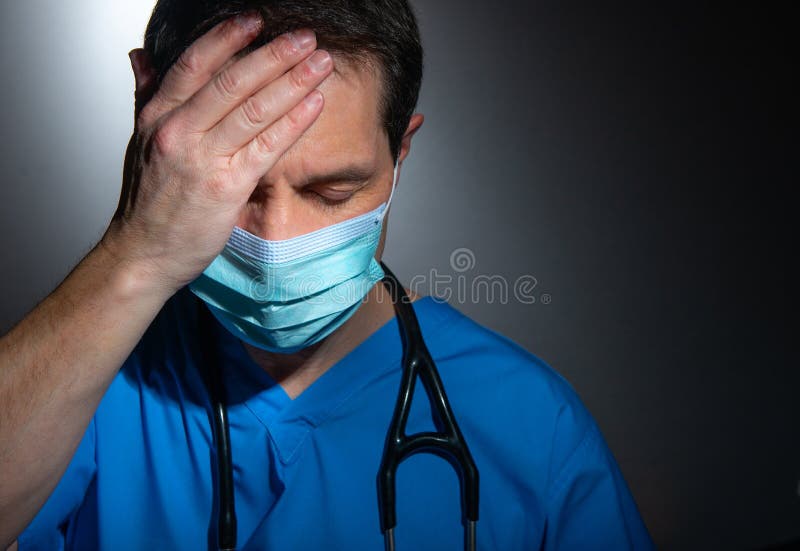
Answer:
(349, 126)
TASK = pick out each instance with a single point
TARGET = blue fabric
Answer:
(305, 469)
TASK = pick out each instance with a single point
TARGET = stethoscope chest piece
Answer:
(447, 442)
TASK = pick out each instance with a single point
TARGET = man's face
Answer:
(302, 192)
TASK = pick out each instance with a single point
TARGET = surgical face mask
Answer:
(284, 296)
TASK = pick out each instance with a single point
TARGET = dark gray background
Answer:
(635, 161)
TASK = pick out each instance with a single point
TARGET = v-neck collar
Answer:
(290, 421)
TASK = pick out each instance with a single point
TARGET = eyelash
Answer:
(326, 202)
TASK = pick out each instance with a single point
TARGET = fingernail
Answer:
(251, 22)
(319, 61)
(314, 99)
(302, 38)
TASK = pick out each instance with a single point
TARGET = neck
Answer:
(296, 372)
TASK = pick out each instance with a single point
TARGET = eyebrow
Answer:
(351, 173)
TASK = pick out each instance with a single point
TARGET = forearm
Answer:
(55, 366)
(195, 159)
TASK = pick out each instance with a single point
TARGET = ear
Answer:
(145, 76)
(413, 125)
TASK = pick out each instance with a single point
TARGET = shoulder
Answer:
(504, 373)
(513, 399)
(529, 429)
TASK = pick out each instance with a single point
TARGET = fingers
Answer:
(261, 153)
(268, 105)
(241, 79)
(198, 63)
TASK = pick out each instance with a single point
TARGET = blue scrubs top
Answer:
(305, 469)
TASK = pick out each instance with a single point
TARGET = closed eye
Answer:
(329, 198)
(333, 194)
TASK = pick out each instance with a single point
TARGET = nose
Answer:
(276, 213)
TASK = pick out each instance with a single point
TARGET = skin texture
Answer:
(347, 132)
(225, 140)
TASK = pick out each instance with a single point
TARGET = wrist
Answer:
(133, 276)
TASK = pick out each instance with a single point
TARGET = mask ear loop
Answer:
(394, 186)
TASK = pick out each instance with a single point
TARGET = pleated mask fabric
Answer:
(286, 295)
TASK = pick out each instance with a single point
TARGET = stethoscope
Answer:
(447, 442)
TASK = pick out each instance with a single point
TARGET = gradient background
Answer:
(634, 160)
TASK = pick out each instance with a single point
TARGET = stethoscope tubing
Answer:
(447, 442)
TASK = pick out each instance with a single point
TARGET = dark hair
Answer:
(359, 31)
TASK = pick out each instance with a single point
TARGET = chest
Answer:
(297, 485)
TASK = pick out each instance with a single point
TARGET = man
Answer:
(267, 147)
